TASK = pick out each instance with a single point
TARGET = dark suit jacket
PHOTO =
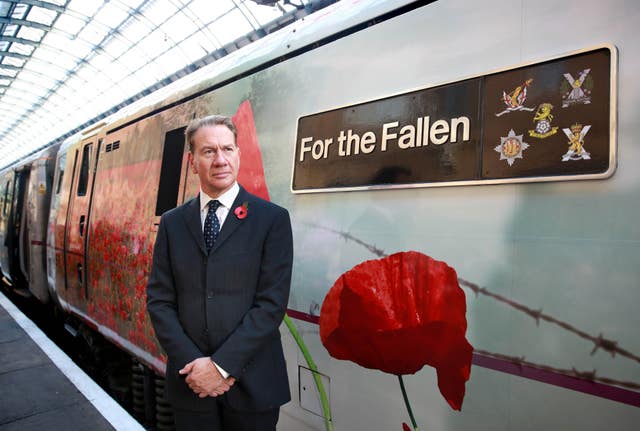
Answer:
(227, 304)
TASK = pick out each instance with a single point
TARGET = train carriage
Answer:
(498, 139)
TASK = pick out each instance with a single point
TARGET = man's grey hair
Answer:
(211, 120)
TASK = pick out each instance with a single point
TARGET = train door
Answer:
(16, 237)
(77, 220)
(5, 211)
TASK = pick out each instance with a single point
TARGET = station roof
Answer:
(65, 64)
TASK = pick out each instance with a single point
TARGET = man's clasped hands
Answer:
(204, 379)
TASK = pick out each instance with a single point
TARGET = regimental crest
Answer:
(576, 135)
(543, 119)
(514, 101)
(511, 147)
(576, 90)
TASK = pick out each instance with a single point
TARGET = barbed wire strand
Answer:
(599, 341)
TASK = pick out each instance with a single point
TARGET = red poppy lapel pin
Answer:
(242, 211)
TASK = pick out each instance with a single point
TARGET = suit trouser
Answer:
(222, 418)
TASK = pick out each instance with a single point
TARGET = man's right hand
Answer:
(222, 388)
(204, 379)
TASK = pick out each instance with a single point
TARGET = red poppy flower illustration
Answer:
(397, 314)
(241, 211)
(251, 176)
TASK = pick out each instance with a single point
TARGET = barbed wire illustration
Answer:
(585, 375)
(598, 341)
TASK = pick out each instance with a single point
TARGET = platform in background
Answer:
(41, 388)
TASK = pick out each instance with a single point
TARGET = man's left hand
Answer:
(204, 378)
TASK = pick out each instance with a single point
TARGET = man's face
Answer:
(215, 158)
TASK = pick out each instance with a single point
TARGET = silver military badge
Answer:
(576, 90)
(511, 147)
(576, 136)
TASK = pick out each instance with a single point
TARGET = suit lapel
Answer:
(232, 222)
(193, 221)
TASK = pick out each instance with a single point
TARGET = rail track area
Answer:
(40, 386)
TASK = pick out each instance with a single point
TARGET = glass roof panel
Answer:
(157, 12)
(115, 70)
(206, 11)
(231, 26)
(19, 11)
(20, 48)
(7, 72)
(12, 61)
(134, 58)
(151, 72)
(17, 101)
(179, 26)
(202, 41)
(112, 15)
(171, 61)
(41, 16)
(131, 86)
(155, 43)
(93, 33)
(52, 56)
(70, 23)
(116, 46)
(85, 7)
(135, 29)
(28, 87)
(27, 97)
(41, 81)
(55, 73)
(10, 30)
(193, 49)
(102, 53)
(30, 33)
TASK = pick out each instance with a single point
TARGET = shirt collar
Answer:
(226, 199)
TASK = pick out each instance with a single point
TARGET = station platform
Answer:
(41, 388)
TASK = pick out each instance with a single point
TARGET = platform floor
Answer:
(42, 389)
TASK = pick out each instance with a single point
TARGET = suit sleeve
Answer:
(261, 323)
(162, 305)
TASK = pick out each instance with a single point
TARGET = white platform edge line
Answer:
(118, 417)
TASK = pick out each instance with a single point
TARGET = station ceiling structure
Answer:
(65, 64)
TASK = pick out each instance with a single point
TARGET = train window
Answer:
(170, 170)
(62, 161)
(5, 203)
(84, 170)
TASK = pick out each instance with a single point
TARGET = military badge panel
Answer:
(548, 119)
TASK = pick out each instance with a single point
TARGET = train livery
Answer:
(498, 139)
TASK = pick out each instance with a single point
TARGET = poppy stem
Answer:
(324, 400)
(406, 402)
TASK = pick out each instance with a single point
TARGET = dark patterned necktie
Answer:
(211, 225)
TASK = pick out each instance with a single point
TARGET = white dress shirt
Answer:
(226, 202)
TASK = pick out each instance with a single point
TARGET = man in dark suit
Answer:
(218, 291)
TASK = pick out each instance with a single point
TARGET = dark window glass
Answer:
(5, 204)
(61, 164)
(170, 171)
(84, 170)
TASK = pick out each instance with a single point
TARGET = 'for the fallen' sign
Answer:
(540, 122)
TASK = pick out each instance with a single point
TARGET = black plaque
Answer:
(539, 122)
